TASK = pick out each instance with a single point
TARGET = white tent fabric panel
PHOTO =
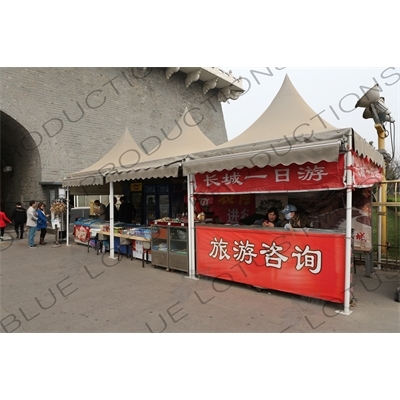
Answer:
(125, 153)
(185, 138)
(273, 152)
(121, 162)
(288, 115)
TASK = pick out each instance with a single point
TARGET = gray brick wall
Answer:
(64, 119)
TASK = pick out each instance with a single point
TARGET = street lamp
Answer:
(376, 109)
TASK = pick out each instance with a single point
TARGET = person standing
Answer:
(3, 223)
(101, 209)
(42, 222)
(18, 216)
(31, 223)
(115, 211)
(127, 211)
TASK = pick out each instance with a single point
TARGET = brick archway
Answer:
(19, 153)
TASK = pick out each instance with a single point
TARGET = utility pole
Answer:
(376, 109)
(382, 213)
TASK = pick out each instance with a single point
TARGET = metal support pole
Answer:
(191, 228)
(383, 196)
(67, 222)
(379, 227)
(112, 220)
(349, 209)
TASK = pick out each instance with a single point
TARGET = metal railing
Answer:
(386, 240)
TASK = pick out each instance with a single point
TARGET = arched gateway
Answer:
(55, 121)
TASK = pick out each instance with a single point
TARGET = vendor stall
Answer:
(313, 263)
(157, 158)
(285, 156)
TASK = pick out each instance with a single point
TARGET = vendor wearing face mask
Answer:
(295, 219)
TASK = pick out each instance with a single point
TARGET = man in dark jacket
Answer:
(127, 211)
(115, 211)
(18, 217)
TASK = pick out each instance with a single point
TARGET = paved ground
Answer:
(67, 289)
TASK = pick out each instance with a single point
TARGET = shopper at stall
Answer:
(101, 209)
(271, 219)
(295, 219)
(3, 223)
(115, 211)
(18, 217)
(127, 211)
(42, 222)
(31, 223)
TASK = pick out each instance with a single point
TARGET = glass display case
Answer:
(178, 248)
(159, 246)
(169, 246)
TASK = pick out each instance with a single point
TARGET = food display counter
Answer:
(138, 238)
(169, 245)
(82, 229)
(307, 262)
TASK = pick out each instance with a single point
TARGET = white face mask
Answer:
(289, 216)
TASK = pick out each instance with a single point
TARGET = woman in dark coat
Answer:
(42, 222)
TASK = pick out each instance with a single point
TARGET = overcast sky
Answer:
(335, 90)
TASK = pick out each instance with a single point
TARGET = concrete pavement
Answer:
(67, 289)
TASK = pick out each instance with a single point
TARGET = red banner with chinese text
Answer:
(232, 208)
(321, 176)
(311, 264)
(365, 173)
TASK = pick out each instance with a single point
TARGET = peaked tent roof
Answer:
(124, 154)
(165, 161)
(288, 115)
(186, 137)
(131, 162)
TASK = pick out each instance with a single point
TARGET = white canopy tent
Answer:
(290, 118)
(288, 132)
(122, 161)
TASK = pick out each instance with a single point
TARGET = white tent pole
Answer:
(349, 208)
(111, 203)
(67, 222)
(191, 231)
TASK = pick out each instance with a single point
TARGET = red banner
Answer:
(232, 208)
(365, 173)
(299, 262)
(282, 178)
